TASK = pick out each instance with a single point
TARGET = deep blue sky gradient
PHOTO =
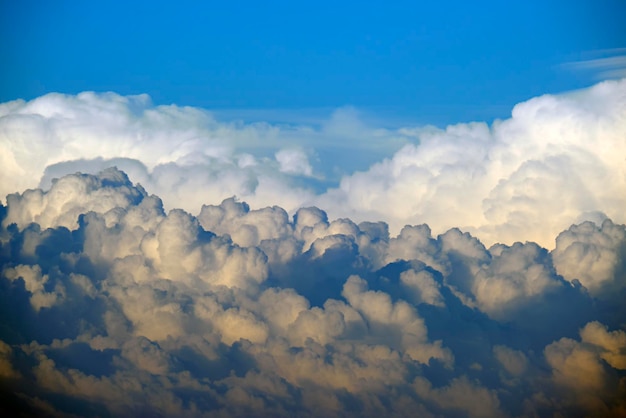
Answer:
(454, 60)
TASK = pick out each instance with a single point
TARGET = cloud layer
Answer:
(558, 160)
(113, 306)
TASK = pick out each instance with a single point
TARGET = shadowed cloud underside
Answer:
(113, 307)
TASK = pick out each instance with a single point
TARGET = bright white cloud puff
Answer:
(111, 306)
(558, 160)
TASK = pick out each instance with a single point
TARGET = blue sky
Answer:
(436, 62)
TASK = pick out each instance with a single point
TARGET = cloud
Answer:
(514, 362)
(555, 162)
(6, 368)
(610, 65)
(176, 151)
(461, 395)
(336, 268)
(578, 371)
(294, 162)
(594, 255)
(111, 305)
(34, 282)
(560, 155)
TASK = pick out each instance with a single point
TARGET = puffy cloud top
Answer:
(557, 161)
(112, 306)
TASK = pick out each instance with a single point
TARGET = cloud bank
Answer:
(558, 160)
(113, 306)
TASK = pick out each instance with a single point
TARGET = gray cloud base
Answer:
(113, 307)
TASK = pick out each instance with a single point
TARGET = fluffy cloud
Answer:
(556, 155)
(555, 162)
(580, 374)
(178, 151)
(111, 305)
(294, 162)
(34, 283)
(594, 255)
(331, 269)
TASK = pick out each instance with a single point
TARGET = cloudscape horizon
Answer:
(158, 261)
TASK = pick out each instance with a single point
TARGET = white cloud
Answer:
(34, 283)
(294, 162)
(111, 304)
(594, 255)
(558, 155)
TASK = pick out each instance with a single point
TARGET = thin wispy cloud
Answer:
(606, 64)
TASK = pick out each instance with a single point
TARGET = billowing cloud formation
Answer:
(558, 160)
(111, 306)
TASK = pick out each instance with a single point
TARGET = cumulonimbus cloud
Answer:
(558, 160)
(111, 305)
